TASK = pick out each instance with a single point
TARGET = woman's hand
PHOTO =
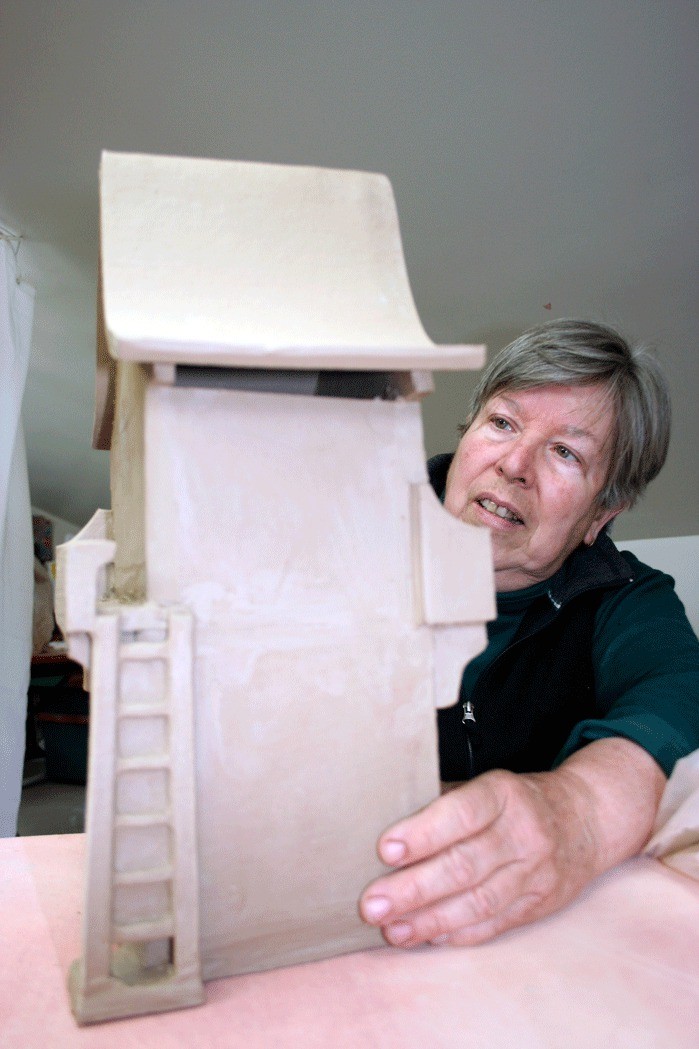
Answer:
(508, 848)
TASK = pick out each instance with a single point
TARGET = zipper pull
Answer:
(469, 715)
(470, 732)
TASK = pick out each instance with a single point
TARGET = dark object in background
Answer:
(43, 538)
(59, 708)
(63, 724)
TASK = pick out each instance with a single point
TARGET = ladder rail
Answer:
(96, 934)
(99, 993)
(180, 688)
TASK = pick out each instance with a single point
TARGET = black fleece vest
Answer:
(527, 702)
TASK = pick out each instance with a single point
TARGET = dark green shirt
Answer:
(646, 663)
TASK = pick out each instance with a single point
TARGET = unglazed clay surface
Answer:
(211, 262)
(277, 602)
(314, 674)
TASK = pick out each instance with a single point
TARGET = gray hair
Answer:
(582, 353)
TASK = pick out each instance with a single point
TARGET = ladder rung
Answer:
(143, 650)
(138, 617)
(143, 710)
(139, 932)
(147, 763)
(147, 876)
(128, 820)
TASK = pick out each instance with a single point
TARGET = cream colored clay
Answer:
(277, 602)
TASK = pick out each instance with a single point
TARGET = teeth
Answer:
(501, 511)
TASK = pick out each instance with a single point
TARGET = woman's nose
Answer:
(517, 464)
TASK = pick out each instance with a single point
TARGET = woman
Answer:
(588, 691)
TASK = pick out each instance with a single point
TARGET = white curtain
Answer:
(16, 543)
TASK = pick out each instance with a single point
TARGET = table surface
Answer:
(618, 968)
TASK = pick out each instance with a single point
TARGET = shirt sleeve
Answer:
(646, 664)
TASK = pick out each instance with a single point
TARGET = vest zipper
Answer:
(469, 722)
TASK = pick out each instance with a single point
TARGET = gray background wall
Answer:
(541, 152)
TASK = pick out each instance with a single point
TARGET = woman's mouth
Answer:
(501, 511)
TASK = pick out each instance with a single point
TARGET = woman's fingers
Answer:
(460, 867)
(469, 914)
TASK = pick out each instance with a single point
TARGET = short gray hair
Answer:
(582, 353)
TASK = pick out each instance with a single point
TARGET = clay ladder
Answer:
(141, 949)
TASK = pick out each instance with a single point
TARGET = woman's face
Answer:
(530, 468)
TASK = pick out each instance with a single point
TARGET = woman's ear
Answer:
(603, 518)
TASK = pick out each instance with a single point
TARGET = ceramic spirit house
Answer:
(276, 602)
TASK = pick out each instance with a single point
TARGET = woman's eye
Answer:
(565, 453)
(499, 423)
